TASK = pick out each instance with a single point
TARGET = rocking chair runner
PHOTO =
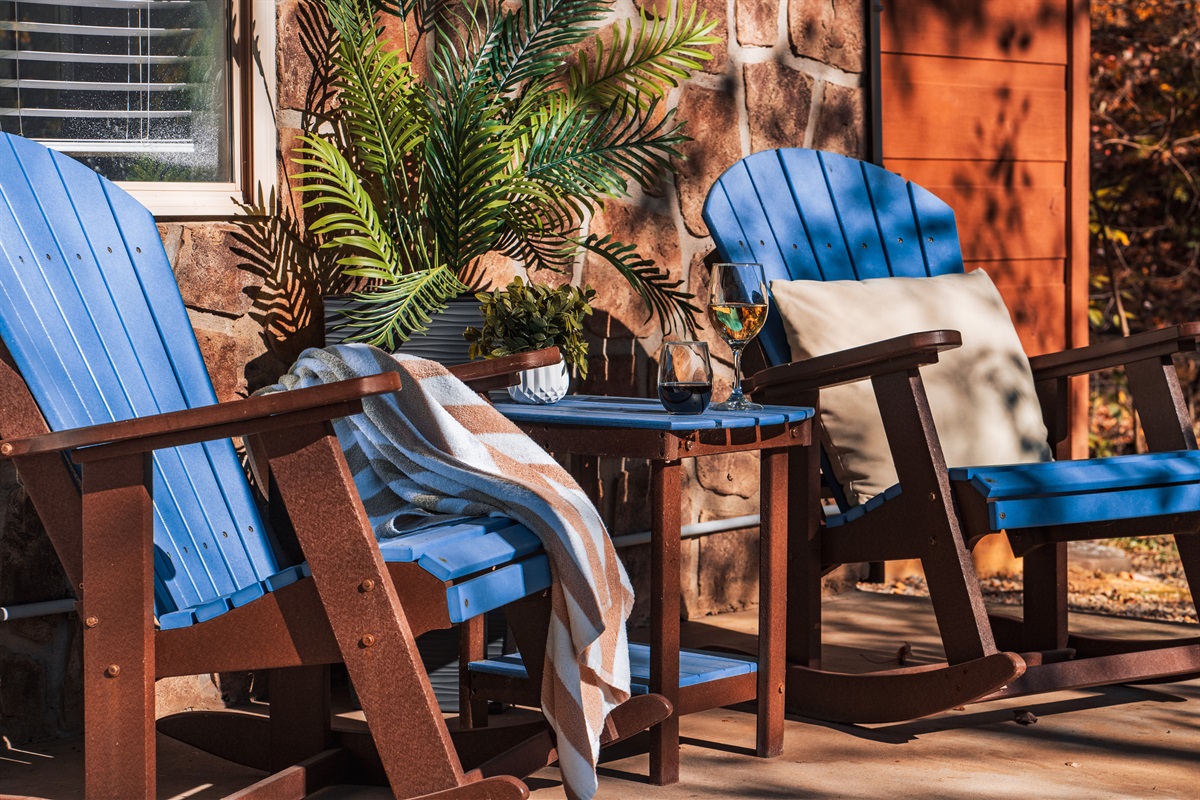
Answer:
(819, 216)
(98, 348)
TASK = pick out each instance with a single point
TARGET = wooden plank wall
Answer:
(985, 103)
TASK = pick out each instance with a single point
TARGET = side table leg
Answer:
(772, 597)
(585, 470)
(664, 615)
(804, 557)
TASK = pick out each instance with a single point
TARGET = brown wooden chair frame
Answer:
(355, 609)
(938, 521)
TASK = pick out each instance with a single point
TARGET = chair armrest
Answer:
(1138, 347)
(496, 373)
(174, 428)
(845, 366)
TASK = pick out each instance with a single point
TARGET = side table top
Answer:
(640, 412)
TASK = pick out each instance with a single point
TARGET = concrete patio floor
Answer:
(1116, 742)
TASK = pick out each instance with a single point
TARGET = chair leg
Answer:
(472, 639)
(921, 467)
(1045, 614)
(118, 635)
(300, 715)
(957, 601)
(804, 558)
(364, 611)
(1189, 556)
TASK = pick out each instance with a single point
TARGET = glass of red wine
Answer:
(684, 377)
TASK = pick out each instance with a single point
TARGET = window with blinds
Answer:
(138, 89)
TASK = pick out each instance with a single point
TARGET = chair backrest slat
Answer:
(93, 318)
(810, 215)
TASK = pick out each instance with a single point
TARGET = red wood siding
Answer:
(976, 108)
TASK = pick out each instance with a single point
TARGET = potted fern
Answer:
(521, 122)
(524, 317)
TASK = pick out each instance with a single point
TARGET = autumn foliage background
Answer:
(1145, 202)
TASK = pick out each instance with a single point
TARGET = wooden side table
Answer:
(588, 428)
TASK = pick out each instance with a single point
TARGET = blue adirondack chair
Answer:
(111, 420)
(818, 216)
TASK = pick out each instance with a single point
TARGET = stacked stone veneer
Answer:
(787, 73)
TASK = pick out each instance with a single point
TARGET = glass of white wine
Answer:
(737, 307)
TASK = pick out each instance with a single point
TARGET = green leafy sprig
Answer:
(523, 317)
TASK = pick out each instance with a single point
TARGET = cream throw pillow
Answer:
(981, 394)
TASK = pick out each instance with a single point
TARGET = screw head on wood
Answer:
(933, 497)
(113, 670)
(367, 585)
(6, 449)
(91, 622)
(367, 640)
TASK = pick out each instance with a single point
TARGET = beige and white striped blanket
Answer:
(436, 450)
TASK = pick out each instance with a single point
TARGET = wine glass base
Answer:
(736, 405)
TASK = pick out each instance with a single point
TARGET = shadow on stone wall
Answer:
(295, 274)
(41, 695)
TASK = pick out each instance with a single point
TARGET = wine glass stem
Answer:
(736, 396)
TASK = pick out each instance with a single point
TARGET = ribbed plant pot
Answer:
(443, 342)
(543, 385)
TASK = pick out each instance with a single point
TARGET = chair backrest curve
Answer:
(93, 318)
(811, 215)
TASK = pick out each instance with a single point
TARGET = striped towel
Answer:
(436, 450)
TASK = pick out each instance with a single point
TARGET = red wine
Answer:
(685, 397)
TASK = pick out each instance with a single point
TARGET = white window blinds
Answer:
(139, 89)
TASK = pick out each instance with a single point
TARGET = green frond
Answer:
(647, 60)
(380, 102)
(539, 248)
(394, 313)
(497, 146)
(585, 153)
(354, 222)
(660, 293)
(467, 167)
(537, 37)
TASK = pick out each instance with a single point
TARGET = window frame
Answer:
(253, 149)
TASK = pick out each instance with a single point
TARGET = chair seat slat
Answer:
(696, 667)
(499, 588)
(1079, 477)
(1134, 503)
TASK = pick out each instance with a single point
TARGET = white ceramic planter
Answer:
(542, 385)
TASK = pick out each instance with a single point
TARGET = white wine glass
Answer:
(737, 308)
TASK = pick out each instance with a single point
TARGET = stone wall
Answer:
(787, 73)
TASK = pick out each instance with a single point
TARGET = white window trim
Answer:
(254, 139)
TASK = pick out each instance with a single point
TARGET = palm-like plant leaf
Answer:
(404, 307)
(466, 166)
(533, 40)
(656, 288)
(540, 247)
(380, 103)
(587, 154)
(645, 61)
(354, 222)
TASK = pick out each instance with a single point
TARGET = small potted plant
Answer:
(523, 317)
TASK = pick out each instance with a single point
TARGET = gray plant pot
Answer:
(443, 342)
